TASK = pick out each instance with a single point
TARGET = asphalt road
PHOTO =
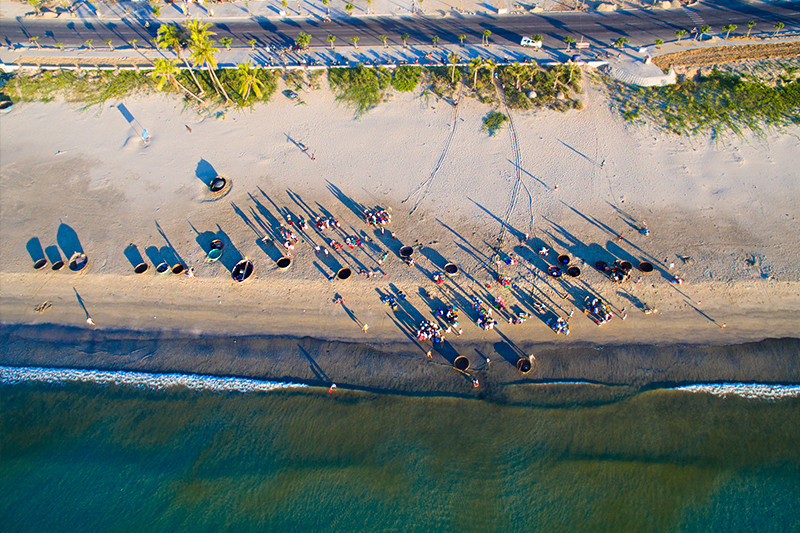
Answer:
(640, 26)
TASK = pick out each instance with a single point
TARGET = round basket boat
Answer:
(343, 274)
(214, 254)
(554, 271)
(58, 265)
(524, 365)
(141, 268)
(162, 268)
(645, 267)
(451, 269)
(601, 266)
(217, 244)
(178, 268)
(78, 262)
(217, 184)
(242, 271)
(6, 106)
(406, 252)
(564, 259)
(461, 363)
(573, 271)
(40, 264)
(626, 266)
(284, 263)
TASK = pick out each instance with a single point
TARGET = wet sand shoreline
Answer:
(396, 367)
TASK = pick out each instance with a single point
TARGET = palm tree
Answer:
(303, 40)
(435, 40)
(108, 43)
(248, 81)
(729, 28)
(157, 11)
(461, 38)
(454, 59)
(88, 44)
(750, 25)
(226, 42)
(491, 65)
(679, 34)
(173, 37)
(369, 6)
(705, 28)
(35, 40)
(404, 37)
(658, 43)
(203, 51)
(331, 38)
(60, 46)
(569, 40)
(621, 42)
(536, 38)
(517, 70)
(486, 34)
(252, 43)
(166, 71)
(354, 40)
(349, 8)
(778, 27)
(133, 43)
(37, 6)
(383, 38)
(474, 67)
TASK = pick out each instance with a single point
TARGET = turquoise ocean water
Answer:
(88, 457)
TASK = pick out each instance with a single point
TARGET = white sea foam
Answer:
(746, 390)
(13, 375)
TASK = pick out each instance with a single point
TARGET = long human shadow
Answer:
(230, 254)
(352, 205)
(81, 303)
(511, 229)
(406, 306)
(589, 159)
(35, 250)
(68, 240)
(302, 147)
(205, 172)
(315, 368)
(172, 249)
(269, 248)
(529, 174)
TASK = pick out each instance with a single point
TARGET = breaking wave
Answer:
(746, 390)
(14, 375)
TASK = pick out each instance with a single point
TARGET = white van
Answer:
(527, 41)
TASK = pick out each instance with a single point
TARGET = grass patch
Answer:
(715, 104)
(493, 122)
(406, 78)
(360, 87)
(95, 87)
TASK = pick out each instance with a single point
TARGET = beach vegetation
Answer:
(303, 40)
(493, 121)
(293, 79)
(715, 104)
(750, 25)
(360, 87)
(174, 38)
(203, 51)
(405, 78)
(444, 81)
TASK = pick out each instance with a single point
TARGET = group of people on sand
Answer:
(559, 325)
(378, 217)
(288, 238)
(485, 320)
(598, 310)
(429, 330)
(323, 223)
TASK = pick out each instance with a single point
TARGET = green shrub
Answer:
(493, 122)
(360, 87)
(406, 78)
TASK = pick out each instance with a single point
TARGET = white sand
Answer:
(720, 201)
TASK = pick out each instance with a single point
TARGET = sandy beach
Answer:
(724, 211)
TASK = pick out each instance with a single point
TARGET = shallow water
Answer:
(86, 457)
